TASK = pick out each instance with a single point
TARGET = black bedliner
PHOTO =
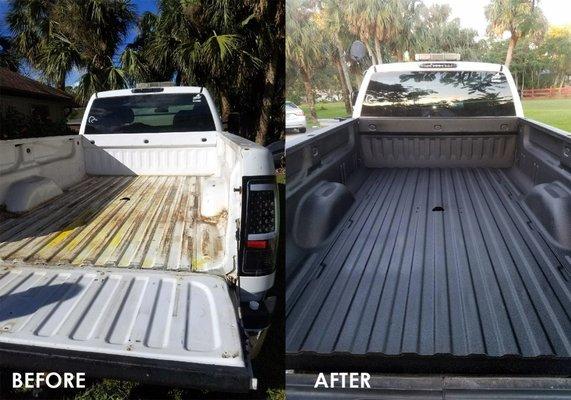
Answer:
(439, 270)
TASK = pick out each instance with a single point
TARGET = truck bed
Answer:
(437, 265)
(109, 221)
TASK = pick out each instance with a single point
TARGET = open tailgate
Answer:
(165, 328)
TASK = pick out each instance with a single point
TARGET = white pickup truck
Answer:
(144, 248)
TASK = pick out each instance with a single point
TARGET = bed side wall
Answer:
(59, 158)
(542, 180)
(320, 175)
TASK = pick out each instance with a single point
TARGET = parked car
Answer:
(143, 248)
(440, 240)
(295, 118)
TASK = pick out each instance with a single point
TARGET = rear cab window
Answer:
(150, 113)
(438, 94)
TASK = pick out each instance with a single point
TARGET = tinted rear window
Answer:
(438, 94)
(150, 113)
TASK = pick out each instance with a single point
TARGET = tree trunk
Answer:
(346, 94)
(344, 66)
(371, 53)
(511, 46)
(224, 105)
(269, 88)
(358, 79)
(310, 96)
(272, 71)
(378, 50)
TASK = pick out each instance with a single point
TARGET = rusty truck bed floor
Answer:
(432, 262)
(136, 222)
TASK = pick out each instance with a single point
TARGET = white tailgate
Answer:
(156, 315)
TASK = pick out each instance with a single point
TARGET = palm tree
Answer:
(29, 21)
(56, 58)
(407, 27)
(270, 18)
(233, 48)
(518, 17)
(436, 32)
(9, 58)
(334, 26)
(360, 28)
(303, 47)
(183, 40)
(56, 36)
(373, 22)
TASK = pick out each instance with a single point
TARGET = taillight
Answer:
(299, 112)
(259, 227)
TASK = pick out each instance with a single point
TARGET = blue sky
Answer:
(140, 6)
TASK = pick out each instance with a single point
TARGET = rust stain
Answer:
(211, 243)
(205, 243)
(210, 231)
(219, 245)
(221, 217)
(159, 225)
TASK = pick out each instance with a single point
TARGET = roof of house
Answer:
(19, 85)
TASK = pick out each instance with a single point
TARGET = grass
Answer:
(324, 111)
(328, 110)
(555, 112)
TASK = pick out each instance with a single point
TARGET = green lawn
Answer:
(556, 112)
(327, 110)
